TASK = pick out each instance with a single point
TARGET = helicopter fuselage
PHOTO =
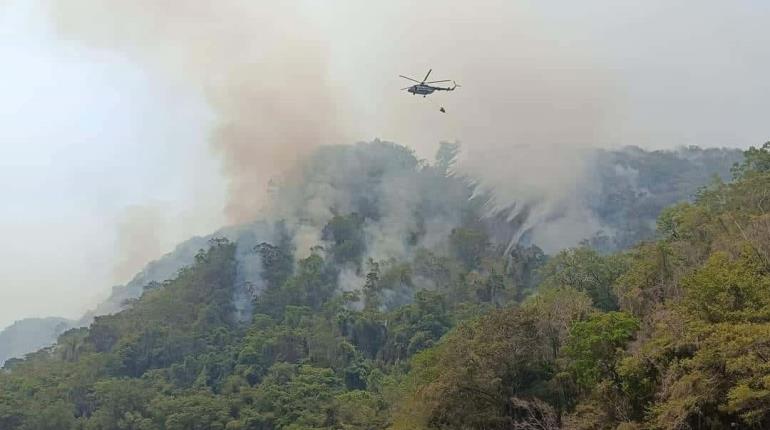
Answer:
(421, 89)
(424, 88)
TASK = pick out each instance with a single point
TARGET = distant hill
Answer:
(31, 334)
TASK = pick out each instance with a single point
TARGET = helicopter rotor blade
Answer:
(405, 88)
(436, 82)
(413, 80)
(426, 76)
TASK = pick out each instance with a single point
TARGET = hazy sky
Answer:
(106, 159)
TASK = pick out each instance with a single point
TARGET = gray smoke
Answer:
(421, 202)
(530, 109)
(398, 195)
(529, 103)
(284, 78)
(139, 231)
(261, 66)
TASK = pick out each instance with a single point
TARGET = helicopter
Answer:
(424, 88)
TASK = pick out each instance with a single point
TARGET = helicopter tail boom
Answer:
(452, 88)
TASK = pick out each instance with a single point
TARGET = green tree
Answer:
(724, 290)
(469, 245)
(360, 410)
(192, 411)
(346, 234)
(471, 377)
(298, 396)
(55, 416)
(585, 270)
(595, 346)
(756, 160)
(121, 404)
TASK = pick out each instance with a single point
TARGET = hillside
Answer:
(629, 188)
(670, 335)
(407, 313)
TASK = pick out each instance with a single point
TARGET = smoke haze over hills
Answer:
(257, 86)
(376, 203)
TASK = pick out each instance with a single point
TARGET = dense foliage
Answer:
(400, 198)
(673, 334)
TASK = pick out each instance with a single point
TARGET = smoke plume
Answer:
(260, 65)
(528, 108)
(139, 230)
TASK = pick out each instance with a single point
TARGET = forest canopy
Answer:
(446, 328)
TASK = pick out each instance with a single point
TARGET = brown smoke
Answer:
(260, 65)
(139, 230)
(528, 107)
